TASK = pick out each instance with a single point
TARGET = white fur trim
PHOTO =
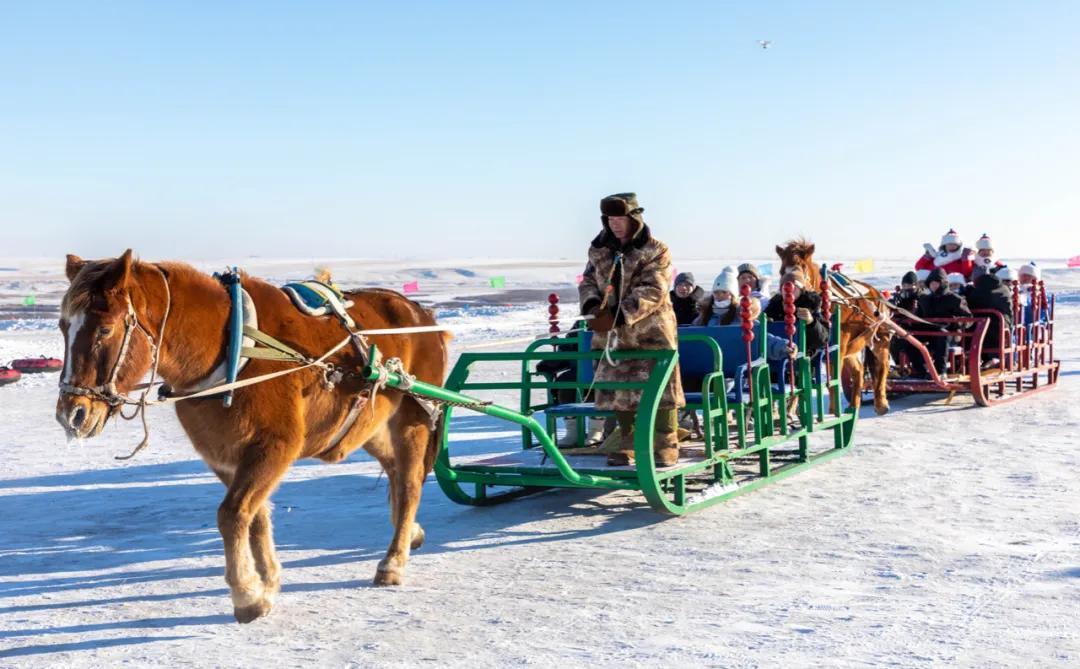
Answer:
(956, 277)
(943, 258)
(984, 244)
(951, 237)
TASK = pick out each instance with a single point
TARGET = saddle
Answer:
(315, 298)
(847, 287)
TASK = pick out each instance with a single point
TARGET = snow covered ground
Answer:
(950, 536)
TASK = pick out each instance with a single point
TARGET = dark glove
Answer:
(602, 321)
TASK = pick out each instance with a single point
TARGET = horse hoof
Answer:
(417, 537)
(882, 410)
(389, 574)
(246, 614)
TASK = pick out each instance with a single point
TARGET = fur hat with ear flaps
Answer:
(622, 204)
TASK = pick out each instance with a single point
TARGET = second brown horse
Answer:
(865, 333)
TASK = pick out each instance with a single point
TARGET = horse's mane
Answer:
(85, 285)
(800, 246)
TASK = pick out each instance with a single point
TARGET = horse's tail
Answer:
(435, 441)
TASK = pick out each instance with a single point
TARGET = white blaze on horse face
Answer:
(75, 324)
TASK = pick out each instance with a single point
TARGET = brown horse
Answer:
(864, 324)
(114, 317)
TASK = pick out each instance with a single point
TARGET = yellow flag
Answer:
(864, 265)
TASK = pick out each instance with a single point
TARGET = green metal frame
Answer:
(694, 483)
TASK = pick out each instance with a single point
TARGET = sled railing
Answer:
(744, 446)
(1021, 364)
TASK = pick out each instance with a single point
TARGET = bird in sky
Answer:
(765, 44)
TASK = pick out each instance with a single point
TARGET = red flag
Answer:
(411, 287)
(1074, 261)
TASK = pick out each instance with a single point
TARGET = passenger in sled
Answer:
(906, 297)
(957, 283)
(749, 275)
(990, 292)
(939, 302)
(807, 309)
(984, 261)
(950, 256)
(686, 298)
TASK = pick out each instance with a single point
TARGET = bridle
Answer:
(108, 392)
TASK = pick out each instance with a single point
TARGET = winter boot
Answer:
(569, 440)
(624, 455)
(665, 449)
(594, 432)
(666, 438)
(612, 442)
(622, 452)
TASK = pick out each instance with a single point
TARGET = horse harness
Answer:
(237, 356)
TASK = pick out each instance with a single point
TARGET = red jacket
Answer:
(962, 265)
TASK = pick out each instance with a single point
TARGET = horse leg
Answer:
(380, 446)
(411, 441)
(854, 371)
(879, 372)
(244, 523)
(261, 543)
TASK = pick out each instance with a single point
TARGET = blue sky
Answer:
(209, 130)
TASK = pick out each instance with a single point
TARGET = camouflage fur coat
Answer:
(644, 318)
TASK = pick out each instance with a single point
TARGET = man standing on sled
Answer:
(625, 289)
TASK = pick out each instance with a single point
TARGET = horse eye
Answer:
(104, 331)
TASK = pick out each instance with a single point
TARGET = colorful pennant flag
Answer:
(1074, 261)
(411, 287)
(864, 265)
(579, 278)
(29, 301)
(497, 281)
(765, 269)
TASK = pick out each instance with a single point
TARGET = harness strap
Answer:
(275, 350)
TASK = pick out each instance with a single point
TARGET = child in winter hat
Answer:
(984, 260)
(721, 307)
(957, 283)
(1030, 273)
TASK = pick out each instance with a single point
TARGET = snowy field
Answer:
(949, 536)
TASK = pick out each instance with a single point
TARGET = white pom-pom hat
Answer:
(922, 274)
(984, 243)
(1008, 274)
(728, 280)
(956, 277)
(951, 237)
(1031, 269)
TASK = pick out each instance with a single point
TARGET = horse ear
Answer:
(74, 264)
(121, 270)
(780, 250)
(810, 249)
